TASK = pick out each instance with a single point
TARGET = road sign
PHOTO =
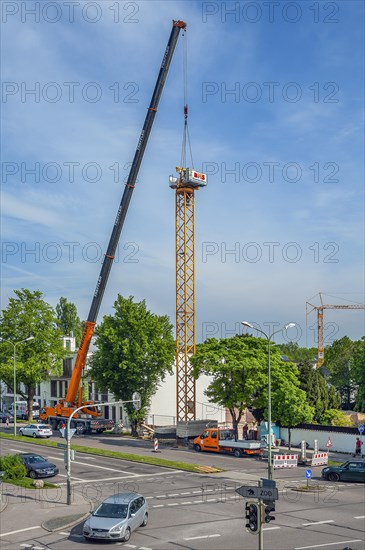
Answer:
(308, 474)
(361, 428)
(329, 443)
(64, 432)
(265, 493)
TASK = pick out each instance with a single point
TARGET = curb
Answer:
(71, 521)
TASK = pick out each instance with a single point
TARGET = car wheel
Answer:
(20, 432)
(32, 474)
(237, 453)
(333, 476)
(127, 535)
(34, 435)
(197, 448)
(145, 520)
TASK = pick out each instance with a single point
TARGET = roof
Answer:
(122, 498)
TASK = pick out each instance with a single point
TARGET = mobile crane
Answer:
(91, 419)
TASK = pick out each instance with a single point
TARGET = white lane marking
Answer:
(144, 548)
(130, 546)
(173, 504)
(359, 517)
(319, 522)
(64, 533)
(188, 493)
(19, 531)
(160, 496)
(173, 494)
(196, 492)
(203, 537)
(270, 528)
(327, 544)
(184, 503)
(158, 506)
(133, 476)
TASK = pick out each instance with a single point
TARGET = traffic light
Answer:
(253, 517)
(268, 508)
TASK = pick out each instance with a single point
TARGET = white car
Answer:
(36, 430)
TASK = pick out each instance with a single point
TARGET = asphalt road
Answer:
(193, 511)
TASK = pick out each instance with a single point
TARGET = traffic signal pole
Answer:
(261, 532)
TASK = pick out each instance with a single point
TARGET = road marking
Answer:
(270, 528)
(173, 494)
(64, 533)
(115, 478)
(160, 496)
(19, 531)
(158, 506)
(319, 522)
(359, 517)
(173, 504)
(202, 537)
(144, 548)
(184, 503)
(25, 545)
(327, 544)
(188, 493)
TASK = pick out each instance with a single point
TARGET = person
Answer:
(7, 422)
(358, 447)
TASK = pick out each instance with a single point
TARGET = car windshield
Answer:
(34, 459)
(43, 427)
(111, 510)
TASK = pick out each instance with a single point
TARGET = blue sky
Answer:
(275, 97)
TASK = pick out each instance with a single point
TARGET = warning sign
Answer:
(329, 443)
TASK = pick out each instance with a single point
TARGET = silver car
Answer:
(116, 517)
(36, 430)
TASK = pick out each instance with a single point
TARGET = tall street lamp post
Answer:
(268, 338)
(14, 344)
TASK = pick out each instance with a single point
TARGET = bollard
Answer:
(155, 446)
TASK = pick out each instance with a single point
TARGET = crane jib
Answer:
(133, 173)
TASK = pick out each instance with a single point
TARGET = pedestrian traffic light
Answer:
(253, 517)
(269, 508)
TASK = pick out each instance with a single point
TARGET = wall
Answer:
(341, 441)
(163, 403)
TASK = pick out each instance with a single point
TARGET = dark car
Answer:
(352, 470)
(38, 466)
(4, 416)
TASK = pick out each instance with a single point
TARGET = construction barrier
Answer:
(155, 446)
(285, 461)
(319, 459)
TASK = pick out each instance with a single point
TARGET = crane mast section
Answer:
(121, 214)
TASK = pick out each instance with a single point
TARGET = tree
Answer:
(239, 368)
(135, 351)
(319, 395)
(29, 315)
(297, 354)
(339, 362)
(358, 363)
(333, 417)
(68, 320)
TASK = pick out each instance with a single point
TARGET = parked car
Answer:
(352, 470)
(4, 416)
(36, 430)
(116, 517)
(38, 466)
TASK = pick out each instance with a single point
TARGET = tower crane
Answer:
(73, 399)
(185, 185)
(320, 321)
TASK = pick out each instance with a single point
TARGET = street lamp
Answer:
(268, 338)
(14, 344)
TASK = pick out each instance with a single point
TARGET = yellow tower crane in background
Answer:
(185, 185)
(320, 321)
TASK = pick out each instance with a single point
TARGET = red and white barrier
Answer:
(285, 461)
(319, 459)
(155, 446)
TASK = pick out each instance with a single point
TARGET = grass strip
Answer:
(153, 460)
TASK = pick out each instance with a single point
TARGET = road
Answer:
(199, 512)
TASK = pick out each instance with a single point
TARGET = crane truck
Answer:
(221, 440)
(90, 419)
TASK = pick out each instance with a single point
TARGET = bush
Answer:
(13, 467)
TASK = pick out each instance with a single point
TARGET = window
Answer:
(204, 435)
(54, 388)
(214, 435)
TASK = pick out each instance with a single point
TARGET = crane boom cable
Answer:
(186, 134)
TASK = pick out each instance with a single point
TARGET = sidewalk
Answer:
(19, 502)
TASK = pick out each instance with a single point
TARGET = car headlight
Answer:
(116, 529)
(86, 528)
(38, 470)
(325, 469)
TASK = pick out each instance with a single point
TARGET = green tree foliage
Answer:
(13, 467)
(135, 351)
(68, 320)
(358, 364)
(334, 417)
(29, 315)
(239, 368)
(340, 364)
(297, 354)
(319, 395)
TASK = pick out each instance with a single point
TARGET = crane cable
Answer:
(186, 135)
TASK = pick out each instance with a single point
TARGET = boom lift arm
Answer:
(65, 407)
